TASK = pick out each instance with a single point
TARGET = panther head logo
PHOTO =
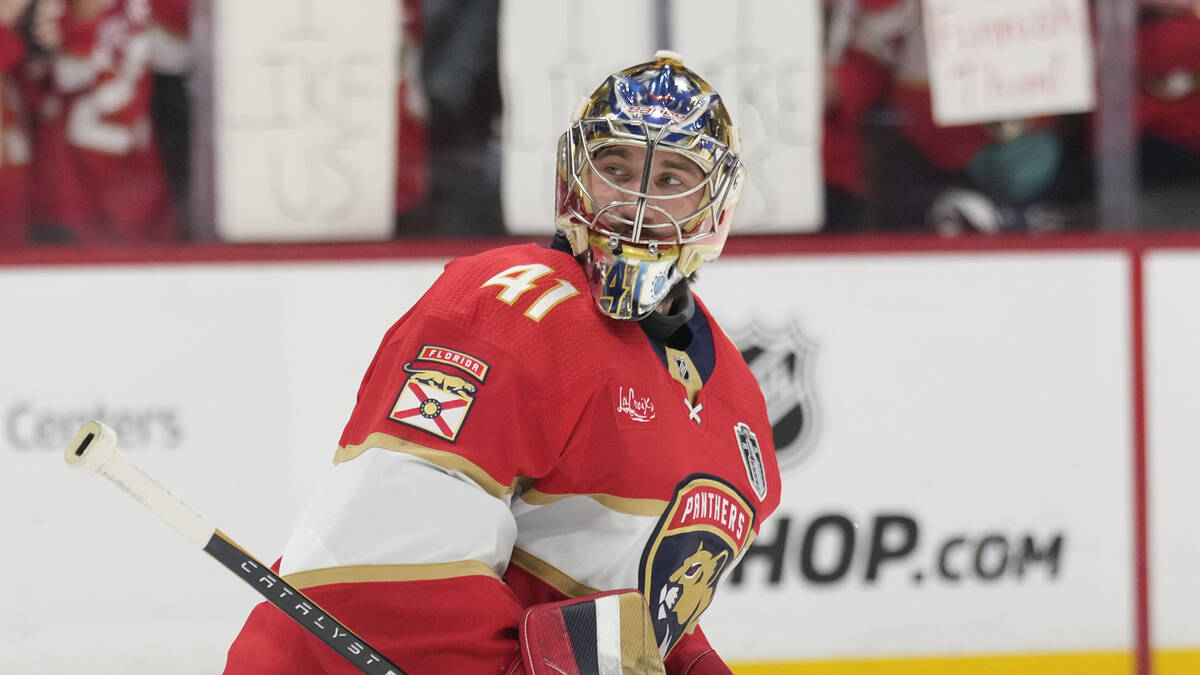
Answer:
(697, 541)
(689, 589)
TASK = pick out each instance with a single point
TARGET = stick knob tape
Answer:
(94, 450)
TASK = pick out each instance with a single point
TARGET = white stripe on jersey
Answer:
(391, 508)
(589, 542)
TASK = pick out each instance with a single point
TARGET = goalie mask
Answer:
(648, 179)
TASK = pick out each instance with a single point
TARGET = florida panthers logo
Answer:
(698, 537)
(690, 589)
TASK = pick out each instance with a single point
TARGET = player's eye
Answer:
(616, 172)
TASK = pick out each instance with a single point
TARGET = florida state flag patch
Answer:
(434, 401)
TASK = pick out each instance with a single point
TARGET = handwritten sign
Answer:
(547, 63)
(305, 119)
(993, 60)
(768, 68)
(768, 71)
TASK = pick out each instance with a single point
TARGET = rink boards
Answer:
(962, 433)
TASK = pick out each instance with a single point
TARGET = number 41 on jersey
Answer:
(521, 279)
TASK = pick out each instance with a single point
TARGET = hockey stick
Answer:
(94, 449)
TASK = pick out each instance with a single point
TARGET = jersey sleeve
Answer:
(406, 540)
(443, 387)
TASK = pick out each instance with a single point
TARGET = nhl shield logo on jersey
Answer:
(434, 401)
(781, 360)
(685, 373)
(700, 535)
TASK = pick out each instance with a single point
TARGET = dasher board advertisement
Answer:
(228, 383)
(953, 431)
(1173, 463)
(955, 441)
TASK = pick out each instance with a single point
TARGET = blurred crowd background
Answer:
(96, 103)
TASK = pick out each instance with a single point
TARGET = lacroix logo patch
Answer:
(631, 406)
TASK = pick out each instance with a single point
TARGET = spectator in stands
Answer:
(15, 150)
(461, 76)
(56, 194)
(97, 175)
(854, 82)
(1168, 110)
(412, 133)
(170, 107)
(986, 177)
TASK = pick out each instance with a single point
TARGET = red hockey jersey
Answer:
(15, 146)
(513, 446)
(103, 78)
(1168, 103)
(412, 112)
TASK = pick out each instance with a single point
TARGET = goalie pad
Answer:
(602, 634)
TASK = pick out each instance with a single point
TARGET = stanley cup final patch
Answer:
(752, 457)
(435, 401)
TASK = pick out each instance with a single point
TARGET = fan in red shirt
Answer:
(412, 138)
(15, 144)
(99, 99)
(1009, 163)
(1168, 105)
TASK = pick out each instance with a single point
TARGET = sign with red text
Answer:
(992, 60)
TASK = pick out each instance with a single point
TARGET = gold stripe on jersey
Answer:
(440, 458)
(351, 574)
(688, 375)
(626, 505)
(550, 574)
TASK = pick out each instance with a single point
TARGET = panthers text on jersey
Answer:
(512, 446)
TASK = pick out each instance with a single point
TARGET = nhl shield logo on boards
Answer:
(434, 401)
(781, 360)
(697, 539)
(752, 456)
